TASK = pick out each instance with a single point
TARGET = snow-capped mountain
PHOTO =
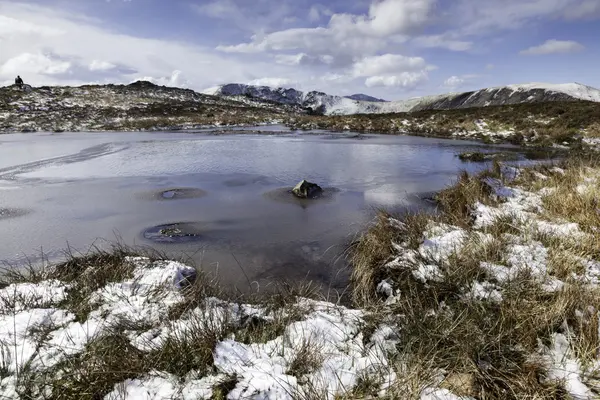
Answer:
(337, 105)
(364, 97)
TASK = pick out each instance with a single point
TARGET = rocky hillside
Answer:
(364, 97)
(544, 123)
(138, 106)
(327, 104)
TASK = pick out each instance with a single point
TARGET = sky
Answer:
(393, 49)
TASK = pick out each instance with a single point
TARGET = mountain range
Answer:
(322, 103)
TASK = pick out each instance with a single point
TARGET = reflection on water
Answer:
(224, 197)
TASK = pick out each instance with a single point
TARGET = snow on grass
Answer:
(329, 338)
(20, 296)
(324, 350)
(563, 366)
(484, 291)
(439, 394)
(18, 344)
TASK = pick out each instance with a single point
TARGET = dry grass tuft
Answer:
(307, 359)
(374, 249)
(484, 345)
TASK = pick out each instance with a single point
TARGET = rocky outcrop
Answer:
(141, 105)
(307, 190)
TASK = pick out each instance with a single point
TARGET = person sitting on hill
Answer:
(19, 82)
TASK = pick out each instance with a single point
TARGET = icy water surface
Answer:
(221, 200)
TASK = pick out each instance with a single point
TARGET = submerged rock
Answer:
(483, 157)
(307, 190)
(174, 233)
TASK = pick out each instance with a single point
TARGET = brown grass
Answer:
(487, 343)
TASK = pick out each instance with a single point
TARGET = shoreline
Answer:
(497, 295)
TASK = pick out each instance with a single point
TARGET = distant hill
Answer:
(364, 97)
(141, 105)
(337, 105)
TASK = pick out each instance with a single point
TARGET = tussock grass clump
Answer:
(483, 331)
(375, 247)
(308, 358)
(456, 201)
(92, 374)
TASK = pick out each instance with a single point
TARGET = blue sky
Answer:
(394, 49)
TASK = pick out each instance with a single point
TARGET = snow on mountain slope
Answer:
(336, 105)
(364, 97)
(576, 90)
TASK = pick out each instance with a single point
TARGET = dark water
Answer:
(222, 198)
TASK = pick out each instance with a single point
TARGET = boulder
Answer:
(307, 190)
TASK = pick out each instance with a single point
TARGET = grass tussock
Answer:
(375, 247)
(485, 344)
(457, 200)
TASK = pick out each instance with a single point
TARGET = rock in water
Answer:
(307, 190)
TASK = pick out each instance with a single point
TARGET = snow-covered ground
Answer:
(329, 332)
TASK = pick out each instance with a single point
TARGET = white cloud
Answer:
(176, 79)
(224, 9)
(11, 28)
(347, 34)
(442, 41)
(554, 46)
(318, 11)
(390, 17)
(28, 63)
(254, 16)
(587, 9)
(406, 80)
(388, 64)
(484, 17)
(65, 48)
(454, 82)
(97, 65)
(302, 59)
